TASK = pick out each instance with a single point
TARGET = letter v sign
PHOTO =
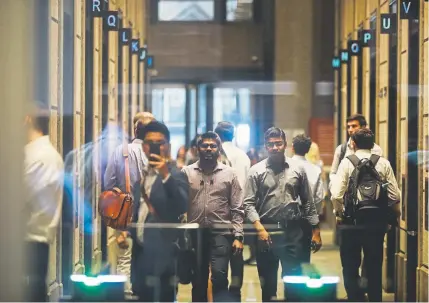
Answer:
(409, 9)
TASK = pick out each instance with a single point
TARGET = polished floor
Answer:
(327, 261)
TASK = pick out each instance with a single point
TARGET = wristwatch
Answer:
(239, 238)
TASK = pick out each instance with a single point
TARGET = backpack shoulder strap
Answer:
(343, 150)
(354, 159)
(374, 159)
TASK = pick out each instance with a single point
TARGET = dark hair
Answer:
(301, 144)
(363, 138)
(358, 117)
(152, 127)
(225, 130)
(274, 132)
(209, 135)
(40, 116)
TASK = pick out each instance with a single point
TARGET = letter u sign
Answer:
(388, 23)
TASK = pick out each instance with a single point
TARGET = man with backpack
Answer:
(366, 200)
(354, 122)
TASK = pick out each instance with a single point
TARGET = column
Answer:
(293, 63)
(16, 25)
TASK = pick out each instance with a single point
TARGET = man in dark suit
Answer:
(164, 197)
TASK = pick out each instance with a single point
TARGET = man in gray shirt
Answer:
(216, 204)
(276, 197)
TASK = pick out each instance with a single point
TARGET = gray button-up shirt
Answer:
(216, 198)
(272, 198)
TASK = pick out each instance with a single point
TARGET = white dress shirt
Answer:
(148, 179)
(240, 162)
(314, 175)
(345, 170)
(376, 150)
(44, 181)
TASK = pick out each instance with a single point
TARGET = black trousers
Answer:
(36, 271)
(214, 250)
(366, 235)
(149, 286)
(307, 235)
(286, 248)
(237, 272)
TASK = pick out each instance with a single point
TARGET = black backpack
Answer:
(343, 151)
(365, 190)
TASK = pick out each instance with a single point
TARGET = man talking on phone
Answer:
(114, 176)
(164, 192)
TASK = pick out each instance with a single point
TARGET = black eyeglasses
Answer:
(149, 142)
(277, 143)
(207, 145)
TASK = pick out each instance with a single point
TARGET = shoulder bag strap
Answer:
(146, 200)
(127, 167)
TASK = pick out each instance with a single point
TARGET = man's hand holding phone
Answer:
(160, 164)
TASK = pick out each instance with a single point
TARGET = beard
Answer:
(277, 157)
(209, 156)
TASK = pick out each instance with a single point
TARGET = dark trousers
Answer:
(152, 286)
(214, 250)
(36, 271)
(307, 231)
(237, 272)
(286, 248)
(367, 236)
(157, 289)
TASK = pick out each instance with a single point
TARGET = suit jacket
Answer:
(157, 253)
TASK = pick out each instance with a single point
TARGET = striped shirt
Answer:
(115, 171)
(216, 198)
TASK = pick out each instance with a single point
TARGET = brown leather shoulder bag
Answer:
(114, 206)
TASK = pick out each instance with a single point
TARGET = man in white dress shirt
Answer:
(240, 162)
(370, 224)
(301, 145)
(354, 122)
(44, 181)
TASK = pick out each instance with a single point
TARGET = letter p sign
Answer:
(367, 38)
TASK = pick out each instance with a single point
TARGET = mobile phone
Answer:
(154, 149)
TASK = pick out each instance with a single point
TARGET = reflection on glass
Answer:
(202, 109)
(193, 112)
(239, 10)
(168, 105)
(201, 10)
(242, 136)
